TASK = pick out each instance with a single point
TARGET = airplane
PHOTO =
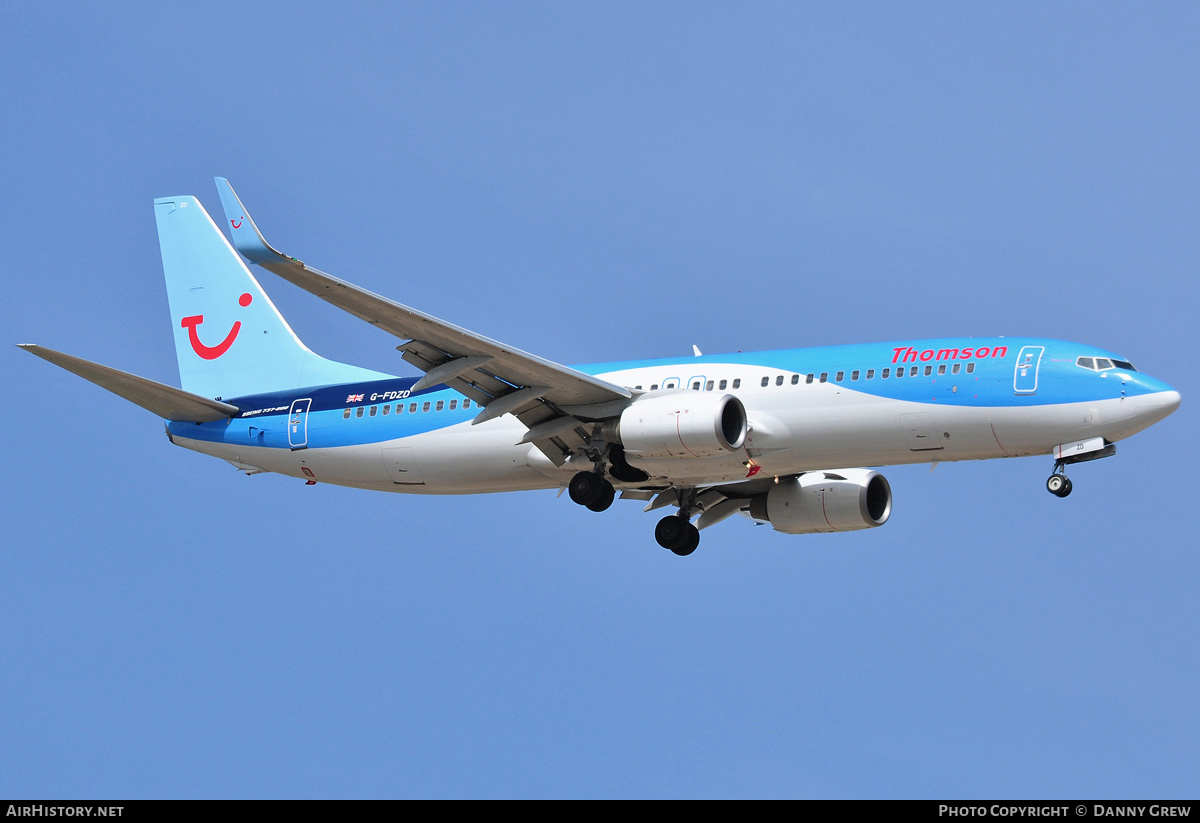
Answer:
(709, 436)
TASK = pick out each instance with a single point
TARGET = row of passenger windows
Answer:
(823, 377)
(371, 411)
(721, 385)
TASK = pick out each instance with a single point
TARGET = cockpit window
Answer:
(1102, 363)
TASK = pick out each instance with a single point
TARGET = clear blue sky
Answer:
(591, 183)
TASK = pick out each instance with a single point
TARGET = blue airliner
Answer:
(763, 434)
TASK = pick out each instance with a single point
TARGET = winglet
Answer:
(246, 237)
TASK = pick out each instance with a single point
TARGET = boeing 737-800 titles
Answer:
(766, 434)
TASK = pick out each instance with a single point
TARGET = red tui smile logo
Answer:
(213, 352)
(237, 224)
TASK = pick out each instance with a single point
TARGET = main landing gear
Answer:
(674, 532)
(591, 490)
(1058, 484)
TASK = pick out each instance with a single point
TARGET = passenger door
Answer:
(298, 423)
(1025, 376)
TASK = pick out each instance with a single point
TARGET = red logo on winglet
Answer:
(213, 352)
(237, 224)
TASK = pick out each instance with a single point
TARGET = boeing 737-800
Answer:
(766, 434)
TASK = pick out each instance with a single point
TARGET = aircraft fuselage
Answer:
(808, 409)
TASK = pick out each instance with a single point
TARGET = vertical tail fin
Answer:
(229, 337)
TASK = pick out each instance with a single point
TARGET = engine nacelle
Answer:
(680, 424)
(830, 501)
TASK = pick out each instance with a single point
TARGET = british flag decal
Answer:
(354, 398)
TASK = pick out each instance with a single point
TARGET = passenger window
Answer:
(956, 368)
(737, 382)
(358, 412)
(795, 380)
(441, 404)
(374, 410)
(779, 380)
(453, 405)
(346, 414)
(466, 404)
(696, 386)
(870, 374)
(970, 368)
(928, 371)
(723, 384)
(808, 378)
(912, 372)
(708, 386)
(840, 375)
(412, 408)
(824, 377)
(425, 406)
(854, 374)
(387, 409)
(900, 372)
(654, 387)
(766, 381)
(886, 374)
(639, 388)
(942, 368)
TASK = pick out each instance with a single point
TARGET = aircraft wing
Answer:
(543, 395)
(167, 402)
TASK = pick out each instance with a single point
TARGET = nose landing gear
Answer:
(1058, 484)
(1081, 451)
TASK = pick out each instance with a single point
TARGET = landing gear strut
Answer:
(1058, 484)
(591, 490)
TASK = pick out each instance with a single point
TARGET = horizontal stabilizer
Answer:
(167, 402)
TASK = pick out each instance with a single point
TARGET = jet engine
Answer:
(829, 501)
(680, 424)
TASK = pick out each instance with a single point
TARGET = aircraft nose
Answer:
(1155, 406)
